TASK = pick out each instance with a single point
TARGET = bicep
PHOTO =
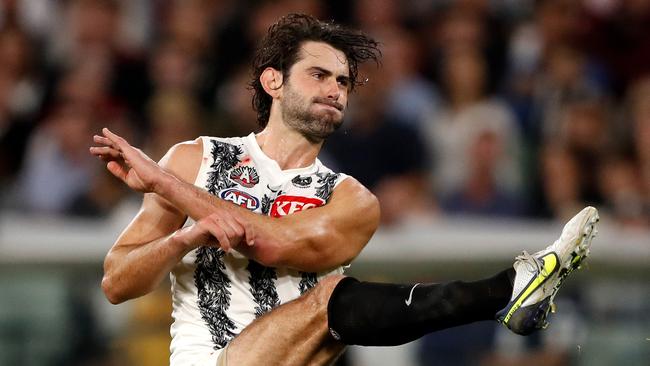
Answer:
(157, 218)
(335, 233)
(353, 216)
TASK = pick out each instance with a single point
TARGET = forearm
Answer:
(133, 271)
(193, 201)
(296, 244)
(197, 203)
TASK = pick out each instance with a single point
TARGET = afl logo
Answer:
(285, 205)
(245, 176)
(240, 198)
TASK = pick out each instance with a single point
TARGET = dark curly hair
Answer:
(280, 47)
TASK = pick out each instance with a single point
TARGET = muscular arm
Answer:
(144, 253)
(313, 240)
(317, 239)
(146, 250)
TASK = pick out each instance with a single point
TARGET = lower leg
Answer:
(375, 314)
(363, 313)
(295, 333)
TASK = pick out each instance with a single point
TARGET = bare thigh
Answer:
(294, 334)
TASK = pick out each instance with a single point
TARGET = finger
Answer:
(117, 170)
(233, 228)
(221, 236)
(129, 153)
(198, 234)
(119, 141)
(105, 152)
(102, 140)
(249, 230)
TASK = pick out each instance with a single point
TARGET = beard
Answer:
(299, 114)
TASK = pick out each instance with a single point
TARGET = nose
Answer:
(332, 90)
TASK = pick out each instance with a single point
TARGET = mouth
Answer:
(331, 104)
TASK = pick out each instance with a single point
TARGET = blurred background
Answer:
(488, 124)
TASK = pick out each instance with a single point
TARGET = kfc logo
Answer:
(285, 205)
(240, 198)
(245, 176)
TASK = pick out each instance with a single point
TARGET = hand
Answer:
(127, 163)
(224, 229)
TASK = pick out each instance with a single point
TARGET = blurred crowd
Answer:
(529, 108)
(493, 108)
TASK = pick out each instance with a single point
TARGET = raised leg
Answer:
(295, 333)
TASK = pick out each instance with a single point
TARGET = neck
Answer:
(287, 147)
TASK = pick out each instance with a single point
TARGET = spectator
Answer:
(411, 98)
(617, 34)
(468, 108)
(58, 167)
(20, 100)
(541, 97)
(573, 157)
(480, 194)
(174, 117)
(560, 180)
(235, 115)
(103, 193)
(639, 102)
(376, 15)
(174, 68)
(91, 30)
(621, 185)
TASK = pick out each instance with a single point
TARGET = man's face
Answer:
(315, 94)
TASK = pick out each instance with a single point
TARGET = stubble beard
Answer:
(314, 126)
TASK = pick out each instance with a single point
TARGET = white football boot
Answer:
(540, 275)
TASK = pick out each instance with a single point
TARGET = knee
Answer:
(319, 295)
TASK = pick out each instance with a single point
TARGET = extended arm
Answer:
(312, 240)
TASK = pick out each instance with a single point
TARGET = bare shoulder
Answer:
(357, 197)
(352, 186)
(184, 159)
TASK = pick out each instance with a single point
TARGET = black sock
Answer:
(378, 314)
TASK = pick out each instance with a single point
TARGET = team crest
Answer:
(245, 176)
(301, 182)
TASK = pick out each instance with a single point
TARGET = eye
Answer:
(317, 75)
(344, 82)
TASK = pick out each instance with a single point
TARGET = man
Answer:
(259, 281)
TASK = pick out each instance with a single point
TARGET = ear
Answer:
(271, 80)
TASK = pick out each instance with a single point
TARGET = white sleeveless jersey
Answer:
(215, 294)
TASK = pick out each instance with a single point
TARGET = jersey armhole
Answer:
(206, 162)
(342, 177)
